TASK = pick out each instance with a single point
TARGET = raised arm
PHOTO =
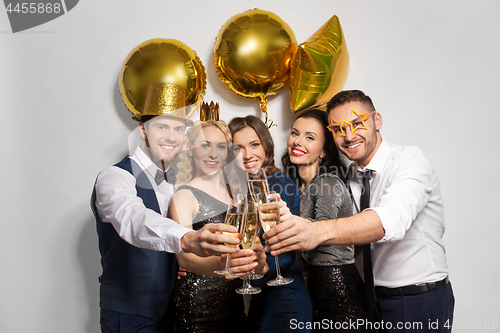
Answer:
(329, 196)
(205, 241)
(297, 233)
(411, 184)
(193, 262)
(116, 202)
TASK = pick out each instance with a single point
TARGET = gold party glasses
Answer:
(358, 122)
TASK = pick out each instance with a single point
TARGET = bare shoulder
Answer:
(185, 206)
(183, 194)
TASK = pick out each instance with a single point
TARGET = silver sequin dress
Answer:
(206, 303)
(334, 284)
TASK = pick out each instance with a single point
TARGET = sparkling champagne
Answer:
(269, 215)
(250, 231)
(236, 220)
(257, 186)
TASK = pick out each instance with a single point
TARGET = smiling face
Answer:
(360, 145)
(248, 150)
(162, 139)
(209, 151)
(305, 142)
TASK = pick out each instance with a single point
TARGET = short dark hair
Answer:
(348, 96)
(144, 119)
(331, 163)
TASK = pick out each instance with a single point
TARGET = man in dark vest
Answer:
(137, 241)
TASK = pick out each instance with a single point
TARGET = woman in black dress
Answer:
(204, 303)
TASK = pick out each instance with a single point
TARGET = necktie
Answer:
(168, 176)
(364, 203)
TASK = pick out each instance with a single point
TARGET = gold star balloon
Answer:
(252, 54)
(319, 67)
(165, 61)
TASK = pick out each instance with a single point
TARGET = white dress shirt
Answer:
(405, 194)
(117, 202)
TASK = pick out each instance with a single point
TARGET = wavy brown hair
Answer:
(239, 123)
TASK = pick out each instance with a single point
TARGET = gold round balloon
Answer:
(252, 54)
(161, 61)
(319, 67)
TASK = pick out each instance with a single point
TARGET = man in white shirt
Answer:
(404, 221)
(137, 241)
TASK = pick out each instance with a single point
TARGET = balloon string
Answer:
(263, 108)
(269, 122)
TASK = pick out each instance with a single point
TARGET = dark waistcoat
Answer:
(134, 280)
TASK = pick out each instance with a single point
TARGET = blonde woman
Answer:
(205, 302)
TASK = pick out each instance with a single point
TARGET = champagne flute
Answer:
(235, 216)
(270, 216)
(257, 183)
(251, 229)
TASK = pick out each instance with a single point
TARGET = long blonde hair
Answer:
(185, 167)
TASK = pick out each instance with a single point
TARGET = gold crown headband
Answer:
(209, 112)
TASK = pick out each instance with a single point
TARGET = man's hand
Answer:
(293, 233)
(208, 240)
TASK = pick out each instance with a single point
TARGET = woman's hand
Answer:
(261, 267)
(242, 262)
(181, 273)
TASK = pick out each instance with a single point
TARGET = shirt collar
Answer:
(146, 162)
(379, 159)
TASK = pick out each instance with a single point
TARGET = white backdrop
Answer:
(431, 68)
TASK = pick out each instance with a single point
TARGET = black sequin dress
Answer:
(206, 303)
(334, 284)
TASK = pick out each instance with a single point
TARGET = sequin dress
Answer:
(274, 309)
(334, 284)
(206, 303)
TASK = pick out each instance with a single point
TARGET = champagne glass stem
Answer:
(247, 288)
(246, 281)
(226, 270)
(228, 261)
(278, 271)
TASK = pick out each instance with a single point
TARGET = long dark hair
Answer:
(331, 163)
(239, 123)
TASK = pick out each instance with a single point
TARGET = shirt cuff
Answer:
(174, 235)
(390, 228)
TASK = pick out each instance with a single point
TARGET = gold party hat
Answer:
(165, 99)
(209, 112)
